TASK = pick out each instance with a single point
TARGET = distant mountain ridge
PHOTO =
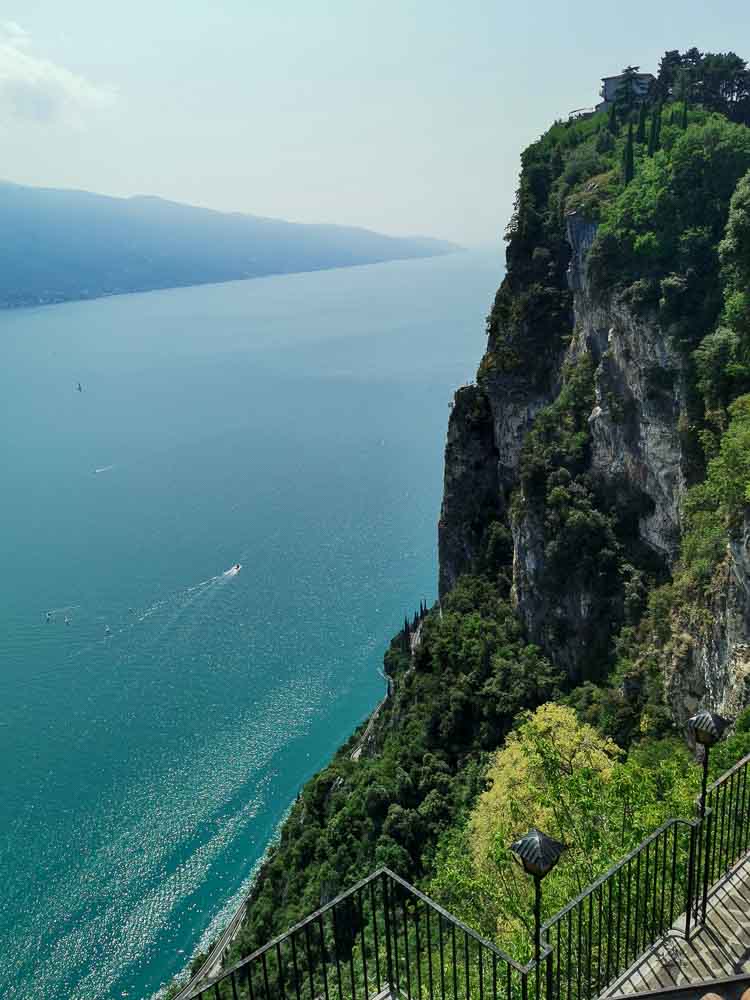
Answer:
(61, 245)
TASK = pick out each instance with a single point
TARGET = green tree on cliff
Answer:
(626, 97)
(683, 84)
(612, 122)
(628, 160)
(640, 134)
(670, 64)
(653, 136)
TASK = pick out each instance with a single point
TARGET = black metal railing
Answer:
(598, 935)
(593, 940)
(725, 834)
(383, 936)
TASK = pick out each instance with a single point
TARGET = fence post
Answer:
(690, 880)
(549, 976)
(707, 858)
(387, 915)
(537, 933)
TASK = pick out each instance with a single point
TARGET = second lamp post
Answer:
(538, 854)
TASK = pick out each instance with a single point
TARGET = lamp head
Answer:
(707, 727)
(537, 852)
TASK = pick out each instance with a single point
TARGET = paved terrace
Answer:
(721, 947)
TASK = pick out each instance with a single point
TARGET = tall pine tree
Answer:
(653, 135)
(640, 134)
(628, 160)
(612, 123)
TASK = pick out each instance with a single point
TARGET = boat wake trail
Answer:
(182, 602)
(182, 611)
(204, 584)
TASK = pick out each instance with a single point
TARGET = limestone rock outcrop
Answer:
(637, 458)
(708, 663)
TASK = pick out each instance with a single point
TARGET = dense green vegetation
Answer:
(714, 507)
(659, 238)
(456, 699)
(586, 535)
(562, 776)
(440, 790)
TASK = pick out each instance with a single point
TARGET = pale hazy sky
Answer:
(406, 117)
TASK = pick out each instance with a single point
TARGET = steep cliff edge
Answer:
(711, 665)
(471, 489)
(641, 401)
(592, 376)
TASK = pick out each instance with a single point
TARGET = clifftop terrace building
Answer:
(640, 83)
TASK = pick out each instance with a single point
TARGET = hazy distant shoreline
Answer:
(69, 246)
(43, 303)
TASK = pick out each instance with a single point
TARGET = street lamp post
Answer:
(707, 728)
(538, 854)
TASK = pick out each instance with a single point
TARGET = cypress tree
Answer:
(684, 114)
(628, 163)
(556, 162)
(653, 136)
(612, 123)
(640, 135)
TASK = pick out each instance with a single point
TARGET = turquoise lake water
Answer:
(151, 744)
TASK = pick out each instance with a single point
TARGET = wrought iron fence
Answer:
(725, 836)
(383, 936)
(598, 935)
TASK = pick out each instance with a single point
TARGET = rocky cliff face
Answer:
(471, 491)
(636, 460)
(640, 404)
(710, 665)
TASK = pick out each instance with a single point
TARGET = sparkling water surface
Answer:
(155, 729)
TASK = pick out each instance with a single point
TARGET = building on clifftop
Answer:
(640, 82)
